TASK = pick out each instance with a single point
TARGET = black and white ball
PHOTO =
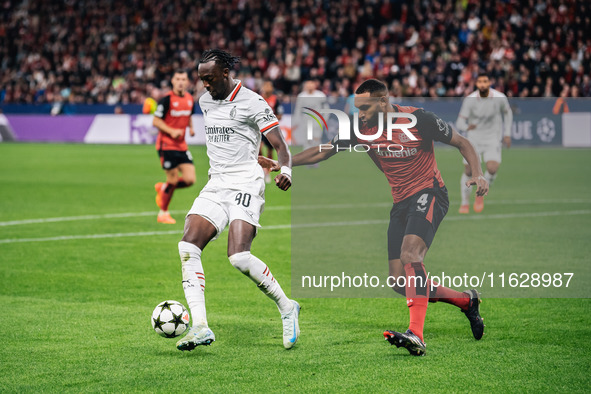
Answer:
(170, 319)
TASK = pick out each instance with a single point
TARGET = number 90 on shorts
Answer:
(221, 205)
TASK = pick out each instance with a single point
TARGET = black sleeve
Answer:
(163, 107)
(341, 143)
(430, 126)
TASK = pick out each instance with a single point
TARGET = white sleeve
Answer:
(463, 116)
(263, 116)
(507, 117)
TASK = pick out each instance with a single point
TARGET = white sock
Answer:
(260, 274)
(465, 191)
(490, 178)
(193, 282)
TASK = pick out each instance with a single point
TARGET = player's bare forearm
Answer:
(308, 156)
(269, 164)
(467, 150)
(507, 141)
(283, 155)
(275, 137)
(191, 130)
(162, 126)
(313, 155)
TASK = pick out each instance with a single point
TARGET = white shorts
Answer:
(221, 203)
(487, 150)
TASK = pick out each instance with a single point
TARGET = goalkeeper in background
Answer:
(486, 118)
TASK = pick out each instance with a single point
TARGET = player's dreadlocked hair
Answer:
(372, 86)
(221, 58)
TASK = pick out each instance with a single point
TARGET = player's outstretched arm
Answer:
(431, 126)
(314, 154)
(467, 150)
(311, 155)
(269, 164)
(507, 122)
(275, 137)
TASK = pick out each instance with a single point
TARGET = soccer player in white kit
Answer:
(486, 117)
(235, 117)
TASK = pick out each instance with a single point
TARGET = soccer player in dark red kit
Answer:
(420, 202)
(171, 118)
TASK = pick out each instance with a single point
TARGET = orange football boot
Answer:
(464, 208)
(165, 218)
(478, 204)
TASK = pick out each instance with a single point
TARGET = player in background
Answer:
(309, 94)
(235, 118)
(277, 108)
(420, 203)
(171, 118)
(487, 118)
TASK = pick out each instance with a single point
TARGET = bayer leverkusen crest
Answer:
(403, 137)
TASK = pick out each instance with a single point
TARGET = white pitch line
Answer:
(90, 236)
(541, 201)
(305, 225)
(389, 204)
(519, 215)
(82, 217)
(275, 208)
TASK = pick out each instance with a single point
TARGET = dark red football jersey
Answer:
(409, 165)
(176, 112)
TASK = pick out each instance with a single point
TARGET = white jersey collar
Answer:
(234, 92)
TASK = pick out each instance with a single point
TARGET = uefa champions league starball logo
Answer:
(546, 130)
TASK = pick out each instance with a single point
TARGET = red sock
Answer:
(417, 296)
(444, 294)
(167, 191)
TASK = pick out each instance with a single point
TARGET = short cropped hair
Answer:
(373, 87)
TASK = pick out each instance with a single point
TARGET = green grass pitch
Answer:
(76, 304)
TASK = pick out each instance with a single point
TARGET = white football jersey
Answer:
(487, 114)
(233, 129)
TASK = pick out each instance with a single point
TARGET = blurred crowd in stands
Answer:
(119, 52)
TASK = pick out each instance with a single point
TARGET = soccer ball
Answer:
(170, 319)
